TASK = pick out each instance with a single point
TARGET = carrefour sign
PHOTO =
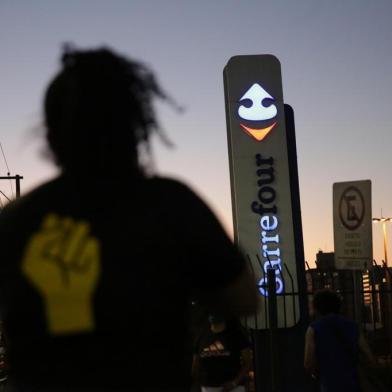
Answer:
(257, 111)
(260, 176)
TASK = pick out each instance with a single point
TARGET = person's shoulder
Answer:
(235, 327)
(203, 335)
(29, 202)
(317, 324)
(334, 321)
(169, 184)
(238, 333)
(310, 330)
(349, 324)
(340, 319)
(173, 189)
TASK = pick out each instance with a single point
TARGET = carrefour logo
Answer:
(257, 106)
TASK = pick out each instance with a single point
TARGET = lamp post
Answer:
(388, 315)
(384, 221)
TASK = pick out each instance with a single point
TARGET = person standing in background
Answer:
(222, 357)
(332, 346)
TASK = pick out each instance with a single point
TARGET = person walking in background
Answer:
(223, 357)
(332, 346)
(99, 265)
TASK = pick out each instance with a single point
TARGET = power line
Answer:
(5, 159)
(8, 169)
(5, 196)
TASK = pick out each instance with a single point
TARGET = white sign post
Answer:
(352, 217)
(260, 179)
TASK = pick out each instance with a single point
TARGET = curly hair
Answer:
(99, 109)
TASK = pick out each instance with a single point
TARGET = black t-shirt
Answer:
(96, 277)
(220, 354)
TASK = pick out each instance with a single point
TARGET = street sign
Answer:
(260, 177)
(352, 217)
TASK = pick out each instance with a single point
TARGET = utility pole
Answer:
(15, 178)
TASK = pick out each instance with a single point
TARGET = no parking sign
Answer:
(352, 217)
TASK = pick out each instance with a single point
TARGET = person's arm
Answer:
(215, 269)
(310, 351)
(365, 349)
(195, 373)
(246, 366)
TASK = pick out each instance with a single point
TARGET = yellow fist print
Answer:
(63, 262)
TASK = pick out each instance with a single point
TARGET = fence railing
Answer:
(366, 298)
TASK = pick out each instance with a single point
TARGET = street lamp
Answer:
(384, 220)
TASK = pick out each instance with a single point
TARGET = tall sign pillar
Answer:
(259, 170)
(266, 211)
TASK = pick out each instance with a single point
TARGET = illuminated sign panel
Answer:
(257, 111)
(260, 179)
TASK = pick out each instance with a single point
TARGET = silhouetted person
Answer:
(222, 356)
(99, 265)
(332, 346)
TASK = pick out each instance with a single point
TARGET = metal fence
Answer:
(282, 309)
(366, 298)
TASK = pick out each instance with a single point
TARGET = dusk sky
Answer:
(336, 63)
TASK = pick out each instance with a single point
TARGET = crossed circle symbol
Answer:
(350, 216)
